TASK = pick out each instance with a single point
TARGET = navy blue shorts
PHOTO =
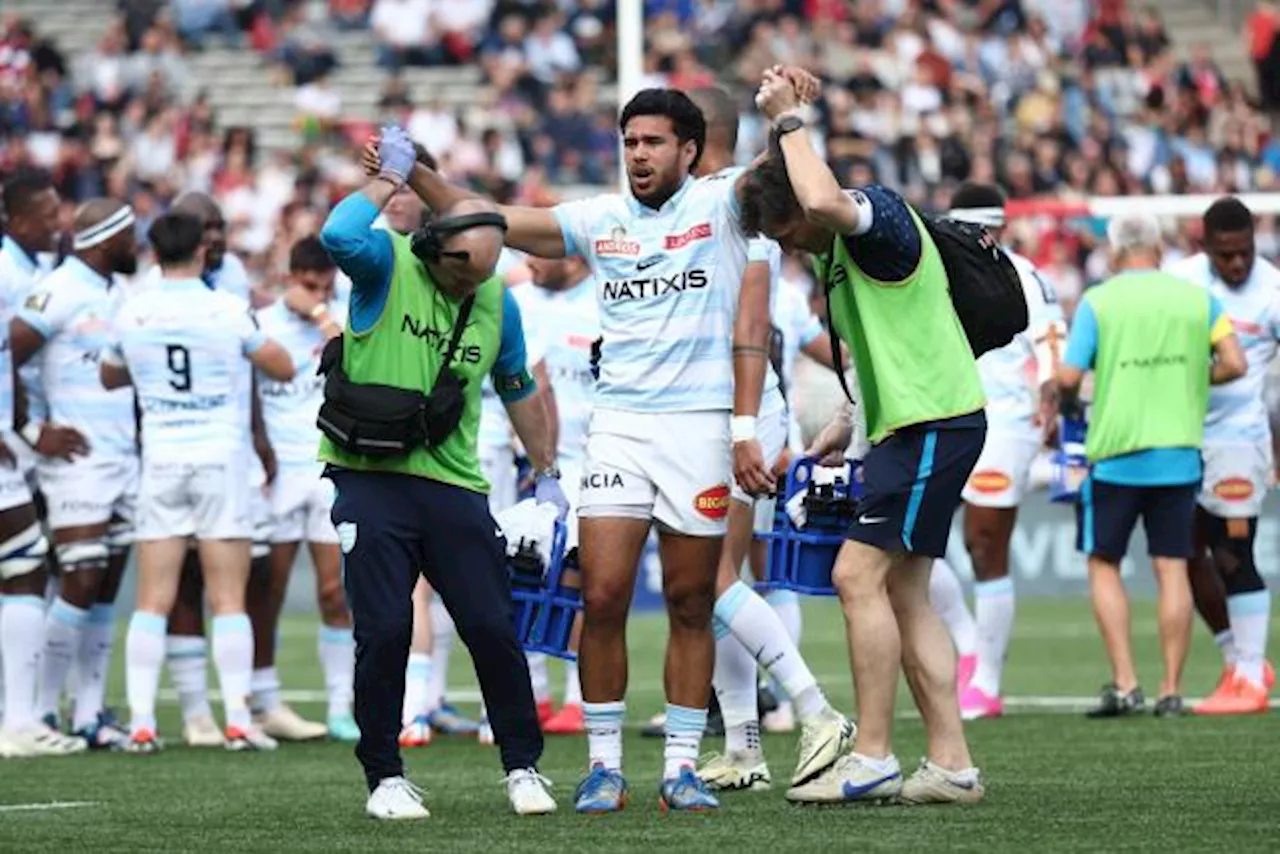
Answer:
(912, 483)
(1106, 514)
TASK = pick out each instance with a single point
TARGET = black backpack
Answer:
(985, 287)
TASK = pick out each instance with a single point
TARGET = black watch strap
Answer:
(787, 124)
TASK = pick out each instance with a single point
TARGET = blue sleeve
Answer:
(1215, 310)
(510, 374)
(363, 253)
(1082, 343)
(890, 250)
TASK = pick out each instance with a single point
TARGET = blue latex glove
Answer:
(548, 491)
(395, 150)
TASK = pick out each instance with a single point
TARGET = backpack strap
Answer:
(837, 359)
(459, 325)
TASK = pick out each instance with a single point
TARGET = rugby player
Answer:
(302, 321)
(181, 345)
(31, 204)
(1239, 461)
(90, 489)
(1019, 417)
(668, 258)
(747, 630)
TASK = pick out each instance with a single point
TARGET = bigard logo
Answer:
(713, 503)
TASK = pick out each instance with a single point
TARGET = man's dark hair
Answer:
(972, 194)
(1227, 214)
(686, 118)
(22, 188)
(308, 256)
(175, 236)
(766, 197)
(720, 112)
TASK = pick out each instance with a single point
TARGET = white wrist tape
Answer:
(30, 433)
(742, 428)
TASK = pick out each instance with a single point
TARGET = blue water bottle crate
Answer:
(801, 559)
(1070, 466)
(544, 604)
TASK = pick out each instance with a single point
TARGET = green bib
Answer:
(913, 360)
(405, 348)
(1151, 370)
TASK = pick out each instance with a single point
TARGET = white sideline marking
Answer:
(51, 805)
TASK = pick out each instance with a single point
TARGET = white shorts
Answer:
(300, 503)
(672, 467)
(14, 491)
(1235, 479)
(571, 484)
(260, 512)
(209, 501)
(772, 426)
(1003, 472)
(89, 491)
(498, 464)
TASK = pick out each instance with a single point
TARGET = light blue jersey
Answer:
(1237, 410)
(72, 310)
(667, 282)
(289, 409)
(568, 322)
(185, 347)
(19, 273)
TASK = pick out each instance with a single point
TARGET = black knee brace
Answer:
(1231, 546)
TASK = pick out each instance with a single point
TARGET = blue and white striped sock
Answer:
(233, 659)
(603, 722)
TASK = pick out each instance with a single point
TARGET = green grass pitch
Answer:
(1055, 781)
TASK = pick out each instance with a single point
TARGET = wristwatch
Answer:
(786, 124)
(551, 471)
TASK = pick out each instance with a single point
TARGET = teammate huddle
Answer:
(160, 465)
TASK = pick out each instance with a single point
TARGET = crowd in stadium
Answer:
(1054, 98)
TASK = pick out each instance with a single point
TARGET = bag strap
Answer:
(837, 361)
(464, 313)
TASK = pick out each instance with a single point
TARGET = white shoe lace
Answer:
(525, 777)
(401, 786)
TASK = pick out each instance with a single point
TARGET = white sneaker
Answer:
(852, 778)
(527, 790)
(823, 739)
(41, 740)
(396, 799)
(781, 719)
(285, 724)
(933, 784)
(248, 738)
(202, 732)
(742, 770)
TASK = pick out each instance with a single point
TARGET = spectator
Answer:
(550, 52)
(155, 56)
(406, 33)
(154, 152)
(307, 49)
(433, 126)
(319, 108)
(102, 72)
(196, 19)
(1262, 37)
(349, 14)
(461, 23)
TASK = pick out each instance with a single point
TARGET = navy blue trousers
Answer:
(391, 527)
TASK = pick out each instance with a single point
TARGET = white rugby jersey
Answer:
(185, 347)
(72, 309)
(1237, 410)
(19, 273)
(1009, 373)
(289, 409)
(568, 322)
(495, 424)
(667, 282)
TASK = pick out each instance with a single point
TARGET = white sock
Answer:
(684, 728)
(786, 604)
(539, 678)
(337, 650)
(144, 652)
(233, 659)
(993, 600)
(417, 685)
(63, 627)
(93, 664)
(1249, 614)
(1226, 642)
(758, 628)
(22, 626)
(947, 598)
(603, 723)
(442, 633)
(188, 661)
(734, 680)
(264, 690)
(572, 684)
